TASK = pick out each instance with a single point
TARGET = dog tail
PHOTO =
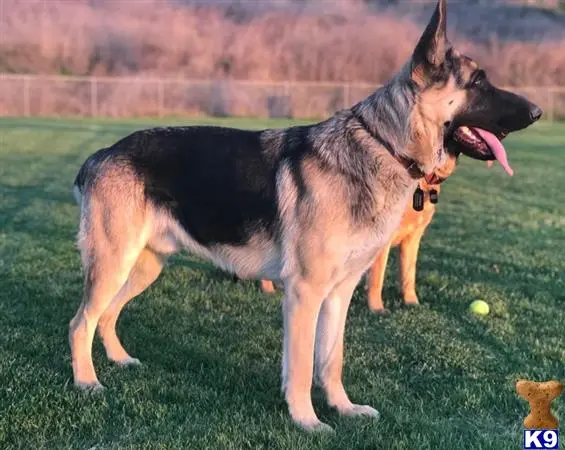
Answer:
(87, 172)
(81, 180)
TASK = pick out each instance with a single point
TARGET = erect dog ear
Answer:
(430, 51)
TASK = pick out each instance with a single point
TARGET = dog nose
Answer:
(535, 113)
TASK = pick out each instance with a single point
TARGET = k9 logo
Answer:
(544, 439)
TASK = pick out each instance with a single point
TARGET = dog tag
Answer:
(418, 199)
(434, 196)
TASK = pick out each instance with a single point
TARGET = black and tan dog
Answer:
(308, 206)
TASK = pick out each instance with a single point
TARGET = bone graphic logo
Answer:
(539, 395)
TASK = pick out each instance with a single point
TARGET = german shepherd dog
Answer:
(309, 206)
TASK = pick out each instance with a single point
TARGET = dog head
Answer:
(457, 109)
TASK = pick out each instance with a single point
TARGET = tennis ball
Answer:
(479, 308)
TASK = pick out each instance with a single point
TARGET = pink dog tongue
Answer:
(497, 148)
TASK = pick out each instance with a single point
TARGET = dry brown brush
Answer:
(178, 41)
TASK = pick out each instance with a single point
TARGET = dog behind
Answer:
(408, 238)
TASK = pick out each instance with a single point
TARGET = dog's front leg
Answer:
(329, 349)
(301, 307)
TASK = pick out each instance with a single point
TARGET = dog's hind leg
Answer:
(113, 232)
(329, 349)
(146, 270)
(105, 276)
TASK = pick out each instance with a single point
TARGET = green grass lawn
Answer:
(211, 348)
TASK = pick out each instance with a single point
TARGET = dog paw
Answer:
(268, 287)
(126, 362)
(310, 422)
(360, 410)
(91, 387)
(316, 426)
(382, 312)
(411, 300)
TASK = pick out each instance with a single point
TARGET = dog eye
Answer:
(477, 78)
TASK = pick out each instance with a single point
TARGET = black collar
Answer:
(411, 166)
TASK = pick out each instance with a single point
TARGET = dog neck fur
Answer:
(387, 113)
(398, 116)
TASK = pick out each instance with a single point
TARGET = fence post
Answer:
(26, 96)
(287, 91)
(550, 105)
(93, 97)
(161, 97)
(286, 88)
